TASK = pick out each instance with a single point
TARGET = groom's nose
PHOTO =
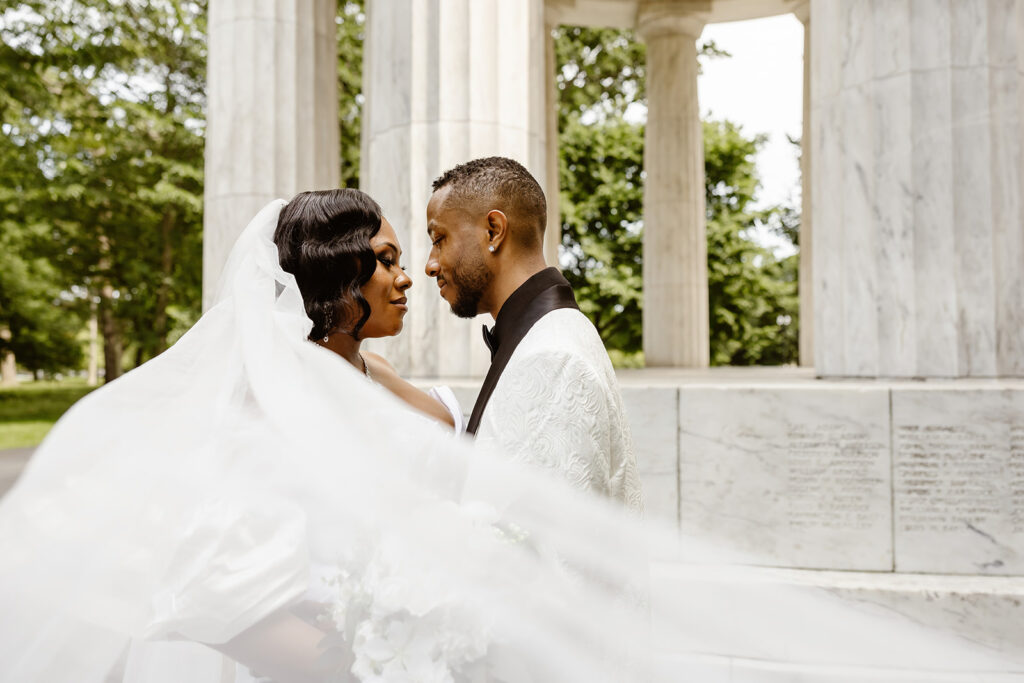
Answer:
(432, 268)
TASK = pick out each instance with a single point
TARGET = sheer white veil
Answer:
(191, 506)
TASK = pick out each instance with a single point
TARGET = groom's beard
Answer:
(470, 279)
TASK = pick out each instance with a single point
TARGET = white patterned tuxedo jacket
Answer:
(555, 401)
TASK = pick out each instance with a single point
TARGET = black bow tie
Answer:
(490, 340)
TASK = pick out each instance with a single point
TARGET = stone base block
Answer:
(793, 471)
(840, 627)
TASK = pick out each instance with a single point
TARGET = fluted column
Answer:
(918, 151)
(553, 230)
(435, 98)
(806, 277)
(675, 322)
(272, 113)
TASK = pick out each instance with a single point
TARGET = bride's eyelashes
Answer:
(388, 262)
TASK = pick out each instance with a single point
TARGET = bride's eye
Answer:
(387, 261)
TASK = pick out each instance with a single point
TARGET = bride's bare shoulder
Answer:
(377, 361)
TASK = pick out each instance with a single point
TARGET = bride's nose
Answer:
(403, 282)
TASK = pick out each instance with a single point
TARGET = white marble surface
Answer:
(917, 145)
(958, 478)
(654, 422)
(675, 277)
(947, 609)
(826, 249)
(795, 477)
(806, 276)
(434, 100)
(984, 611)
(272, 114)
(807, 473)
(1007, 97)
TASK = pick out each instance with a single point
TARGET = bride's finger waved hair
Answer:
(323, 239)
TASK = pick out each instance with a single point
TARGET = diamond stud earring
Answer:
(491, 248)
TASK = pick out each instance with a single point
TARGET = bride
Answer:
(246, 506)
(346, 261)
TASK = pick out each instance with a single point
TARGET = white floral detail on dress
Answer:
(400, 626)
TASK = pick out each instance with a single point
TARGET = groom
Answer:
(550, 397)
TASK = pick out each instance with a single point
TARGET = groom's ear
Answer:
(497, 229)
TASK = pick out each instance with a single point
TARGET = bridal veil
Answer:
(199, 504)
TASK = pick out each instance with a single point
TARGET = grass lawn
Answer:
(29, 410)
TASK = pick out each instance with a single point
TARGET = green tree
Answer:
(752, 295)
(106, 105)
(351, 29)
(602, 208)
(39, 325)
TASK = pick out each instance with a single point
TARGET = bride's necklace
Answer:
(366, 368)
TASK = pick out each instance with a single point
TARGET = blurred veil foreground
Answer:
(247, 505)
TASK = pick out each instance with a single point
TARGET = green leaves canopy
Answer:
(752, 294)
(102, 146)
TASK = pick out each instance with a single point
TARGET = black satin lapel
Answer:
(551, 299)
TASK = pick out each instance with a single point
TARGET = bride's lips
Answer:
(401, 303)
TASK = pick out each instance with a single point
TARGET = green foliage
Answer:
(602, 206)
(102, 147)
(752, 295)
(600, 75)
(42, 325)
(601, 72)
(351, 26)
(27, 412)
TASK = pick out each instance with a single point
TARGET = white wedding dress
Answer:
(247, 506)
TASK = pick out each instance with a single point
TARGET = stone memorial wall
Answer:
(915, 477)
(796, 477)
(958, 478)
(857, 476)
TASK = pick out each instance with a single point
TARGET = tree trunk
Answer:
(164, 290)
(113, 346)
(8, 365)
(93, 377)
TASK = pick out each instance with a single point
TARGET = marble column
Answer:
(675, 323)
(553, 231)
(918, 150)
(806, 278)
(446, 81)
(272, 114)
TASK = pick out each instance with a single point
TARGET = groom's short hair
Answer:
(503, 184)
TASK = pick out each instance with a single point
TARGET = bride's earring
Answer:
(328, 325)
